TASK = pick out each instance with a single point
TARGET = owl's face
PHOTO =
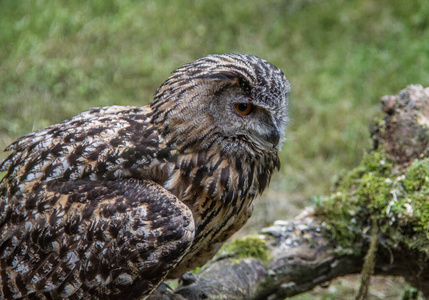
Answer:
(238, 99)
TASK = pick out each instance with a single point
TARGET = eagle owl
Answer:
(116, 199)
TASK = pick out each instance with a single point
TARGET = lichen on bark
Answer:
(398, 201)
(391, 184)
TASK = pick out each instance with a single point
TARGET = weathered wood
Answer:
(302, 257)
(305, 253)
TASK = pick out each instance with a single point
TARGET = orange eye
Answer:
(243, 108)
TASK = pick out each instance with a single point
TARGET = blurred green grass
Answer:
(58, 58)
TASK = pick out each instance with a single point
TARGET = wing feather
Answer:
(91, 239)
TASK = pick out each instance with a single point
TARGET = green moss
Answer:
(380, 126)
(196, 270)
(418, 176)
(249, 246)
(398, 200)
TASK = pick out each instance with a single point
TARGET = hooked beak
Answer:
(274, 135)
(267, 136)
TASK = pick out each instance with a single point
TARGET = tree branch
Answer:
(302, 257)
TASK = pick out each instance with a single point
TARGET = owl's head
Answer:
(236, 100)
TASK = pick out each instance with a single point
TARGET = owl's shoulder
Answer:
(100, 140)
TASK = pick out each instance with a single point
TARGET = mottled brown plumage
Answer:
(114, 200)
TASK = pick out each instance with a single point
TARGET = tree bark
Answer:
(304, 253)
(303, 256)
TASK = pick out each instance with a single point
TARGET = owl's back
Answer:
(102, 143)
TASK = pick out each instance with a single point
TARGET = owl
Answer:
(115, 200)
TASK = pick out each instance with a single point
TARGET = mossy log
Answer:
(389, 190)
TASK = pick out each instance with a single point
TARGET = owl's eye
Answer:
(243, 108)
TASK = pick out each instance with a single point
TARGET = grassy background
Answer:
(58, 58)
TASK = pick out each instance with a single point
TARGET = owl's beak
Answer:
(267, 135)
(274, 135)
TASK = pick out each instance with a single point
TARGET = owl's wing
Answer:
(90, 239)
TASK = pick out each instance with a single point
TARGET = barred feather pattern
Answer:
(114, 200)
